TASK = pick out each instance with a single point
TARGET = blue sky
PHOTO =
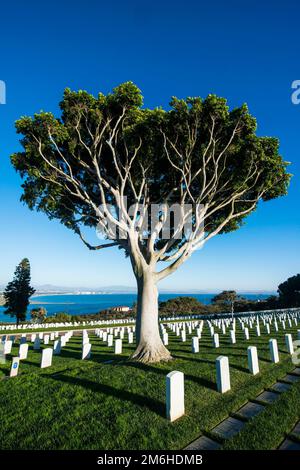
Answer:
(245, 51)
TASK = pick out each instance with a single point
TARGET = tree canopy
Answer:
(106, 147)
(110, 163)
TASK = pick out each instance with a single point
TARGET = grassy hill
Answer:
(110, 403)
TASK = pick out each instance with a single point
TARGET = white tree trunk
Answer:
(150, 347)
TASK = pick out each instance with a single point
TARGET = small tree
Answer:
(228, 298)
(18, 292)
(106, 162)
(38, 315)
(59, 317)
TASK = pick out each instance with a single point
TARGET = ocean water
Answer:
(85, 304)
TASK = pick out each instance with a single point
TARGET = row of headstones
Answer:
(47, 353)
(216, 341)
(91, 323)
(107, 336)
(277, 313)
(175, 379)
(34, 338)
(180, 330)
(110, 337)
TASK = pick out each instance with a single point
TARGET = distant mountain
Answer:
(49, 288)
(52, 289)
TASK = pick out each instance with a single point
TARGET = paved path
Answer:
(236, 422)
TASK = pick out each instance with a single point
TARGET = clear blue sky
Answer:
(245, 51)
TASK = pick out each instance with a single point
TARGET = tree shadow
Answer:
(207, 361)
(263, 359)
(5, 371)
(140, 400)
(157, 370)
(96, 357)
(30, 363)
(193, 359)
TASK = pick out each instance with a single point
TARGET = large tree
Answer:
(109, 163)
(289, 292)
(18, 292)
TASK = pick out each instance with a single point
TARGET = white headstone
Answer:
(166, 339)
(195, 344)
(183, 336)
(246, 331)
(257, 330)
(46, 339)
(232, 337)
(86, 351)
(14, 367)
(46, 360)
(37, 344)
(253, 360)
(110, 340)
(130, 337)
(57, 347)
(216, 340)
(274, 350)
(7, 347)
(268, 328)
(118, 346)
(174, 395)
(289, 343)
(23, 351)
(223, 377)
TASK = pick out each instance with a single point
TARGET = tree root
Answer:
(147, 354)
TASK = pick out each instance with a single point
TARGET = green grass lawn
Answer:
(98, 404)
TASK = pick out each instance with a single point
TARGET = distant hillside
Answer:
(53, 289)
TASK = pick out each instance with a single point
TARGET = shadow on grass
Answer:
(157, 370)
(30, 363)
(207, 361)
(139, 400)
